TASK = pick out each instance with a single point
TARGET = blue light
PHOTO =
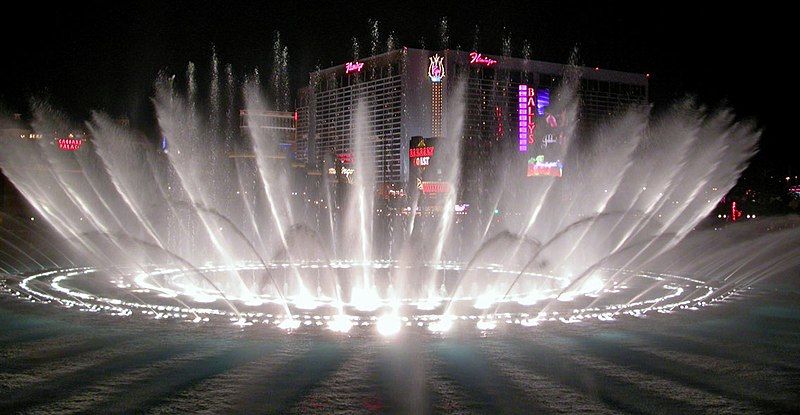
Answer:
(543, 101)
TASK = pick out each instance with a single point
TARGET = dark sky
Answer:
(100, 55)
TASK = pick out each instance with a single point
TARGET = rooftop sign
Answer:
(354, 66)
(478, 59)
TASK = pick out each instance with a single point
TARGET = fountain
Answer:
(188, 232)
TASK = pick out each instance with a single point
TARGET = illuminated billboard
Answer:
(436, 68)
(424, 171)
(542, 101)
(433, 188)
(436, 72)
(527, 112)
(537, 166)
(346, 158)
(69, 143)
(546, 135)
(420, 153)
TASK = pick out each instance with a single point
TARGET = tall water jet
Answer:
(279, 78)
(526, 50)
(362, 204)
(214, 93)
(444, 34)
(391, 41)
(374, 37)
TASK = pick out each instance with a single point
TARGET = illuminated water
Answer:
(739, 357)
(215, 227)
(214, 277)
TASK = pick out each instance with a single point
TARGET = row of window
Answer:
(334, 113)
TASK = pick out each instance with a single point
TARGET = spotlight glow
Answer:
(443, 325)
(366, 299)
(389, 325)
(340, 323)
(289, 324)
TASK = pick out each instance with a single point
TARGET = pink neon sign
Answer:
(531, 113)
(435, 187)
(69, 144)
(346, 158)
(538, 167)
(436, 68)
(526, 109)
(354, 66)
(477, 58)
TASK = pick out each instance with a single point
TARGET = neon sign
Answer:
(523, 118)
(345, 171)
(354, 66)
(538, 167)
(542, 100)
(531, 113)
(345, 158)
(436, 68)
(69, 144)
(434, 187)
(735, 213)
(421, 154)
(527, 111)
(348, 173)
(477, 58)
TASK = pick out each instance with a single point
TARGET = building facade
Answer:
(282, 125)
(404, 94)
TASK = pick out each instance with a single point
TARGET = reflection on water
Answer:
(738, 358)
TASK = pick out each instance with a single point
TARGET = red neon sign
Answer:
(345, 158)
(538, 167)
(354, 66)
(477, 58)
(435, 187)
(69, 144)
(735, 213)
(421, 152)
(421, 155)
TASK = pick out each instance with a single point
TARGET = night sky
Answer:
(105, 56)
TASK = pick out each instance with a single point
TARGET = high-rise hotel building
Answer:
(405, 93)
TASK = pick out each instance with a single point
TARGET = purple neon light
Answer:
(542, 101)
(523, 118)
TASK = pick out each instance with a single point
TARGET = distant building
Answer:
(279, 125)
(406, 95)
(300, 146)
